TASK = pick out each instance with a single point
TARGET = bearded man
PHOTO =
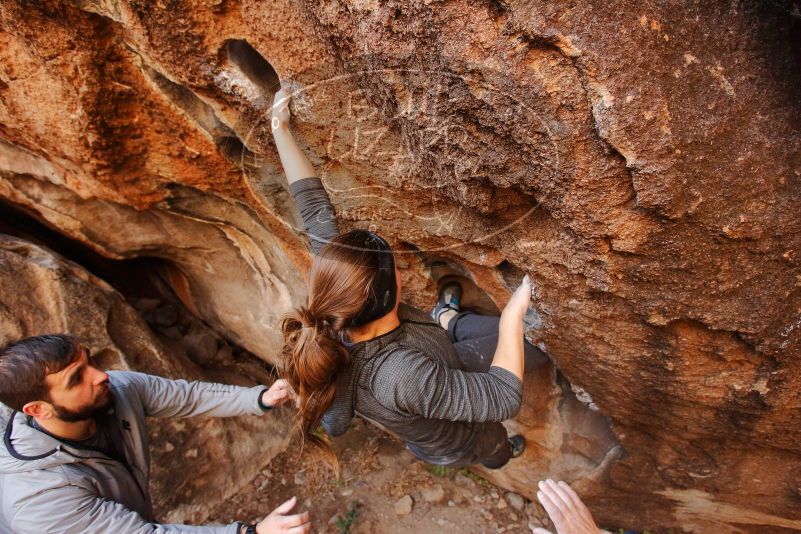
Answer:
(75, 456)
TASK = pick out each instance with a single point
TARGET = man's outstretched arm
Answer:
(67, 509)
(162, 397)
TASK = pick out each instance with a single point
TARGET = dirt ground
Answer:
(378, 477)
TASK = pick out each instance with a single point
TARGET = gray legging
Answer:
(475, 338)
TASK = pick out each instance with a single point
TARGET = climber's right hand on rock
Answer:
(517, 306)
(278, 522)
(280, 111)
(295, 163)
(567, 512)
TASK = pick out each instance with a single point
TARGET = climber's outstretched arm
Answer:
(296, 165)
(307, 190)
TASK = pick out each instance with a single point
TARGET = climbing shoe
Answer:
(449, 296)
(518, 444)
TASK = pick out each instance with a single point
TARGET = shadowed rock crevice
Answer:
(239, 53)
(199, 236)
(194, 107)
(147, 284)
(235, 151)
(511, 274)
(204, 116)
(267, 184)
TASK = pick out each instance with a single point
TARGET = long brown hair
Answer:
(339, 283)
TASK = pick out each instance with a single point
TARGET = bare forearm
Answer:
(509, 352)
(296, 164)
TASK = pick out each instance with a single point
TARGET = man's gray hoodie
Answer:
(49, 487)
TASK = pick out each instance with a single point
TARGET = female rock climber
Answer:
(355, 348)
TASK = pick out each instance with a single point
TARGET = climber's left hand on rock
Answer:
(516, 308)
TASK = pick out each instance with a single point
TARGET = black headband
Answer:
(384, 289)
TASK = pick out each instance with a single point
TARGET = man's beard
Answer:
(82, 414)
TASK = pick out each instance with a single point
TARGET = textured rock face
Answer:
(641, 162)
(41, 292)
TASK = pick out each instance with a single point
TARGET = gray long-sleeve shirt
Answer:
(410, 380)
(50, 486)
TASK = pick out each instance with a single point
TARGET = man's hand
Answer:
(279, 393)
(280, 114)
(279, 522)
(568, 513)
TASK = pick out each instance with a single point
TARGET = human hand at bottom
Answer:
(568, 513)
(278, 522)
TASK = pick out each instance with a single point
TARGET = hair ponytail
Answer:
(340, 281)
(312, 358)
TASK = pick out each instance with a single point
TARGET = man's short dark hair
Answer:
(24, 365)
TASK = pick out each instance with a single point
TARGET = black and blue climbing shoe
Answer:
(449, 296)
(518, 444)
